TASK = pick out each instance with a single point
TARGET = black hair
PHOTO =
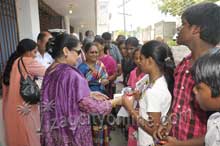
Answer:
(120, 37)
(42, 35)
(55, 45)
(100, 40)
(55, 34)
(207, 17)
(133, 41)
(24, 46)
(88, 46)
(86, 41)
(120, 43)
(162, 55)
(106, 36)
(137, 49)
(106, 48)
(87, 32)
(98, 36)
(206, 69)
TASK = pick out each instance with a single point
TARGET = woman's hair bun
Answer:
(50, 46)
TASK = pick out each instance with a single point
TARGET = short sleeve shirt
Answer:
(212, 137)
(154, 99)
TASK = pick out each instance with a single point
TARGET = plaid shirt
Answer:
(188, 119)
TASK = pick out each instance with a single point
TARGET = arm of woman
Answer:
(112, 77)
(86, 102)
(93, 106)
(36, 69)
(149, 125)
(172, 141)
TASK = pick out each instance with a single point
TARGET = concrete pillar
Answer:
(28, 18)
(67, 23)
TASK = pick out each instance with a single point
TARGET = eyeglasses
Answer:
(77, 51)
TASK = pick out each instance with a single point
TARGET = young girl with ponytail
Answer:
(156, 60)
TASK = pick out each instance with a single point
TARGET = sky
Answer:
(143, 13)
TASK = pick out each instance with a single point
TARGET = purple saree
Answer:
(65, 106)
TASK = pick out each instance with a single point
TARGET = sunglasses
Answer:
(77, 51)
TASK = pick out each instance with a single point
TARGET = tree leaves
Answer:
(176, 7)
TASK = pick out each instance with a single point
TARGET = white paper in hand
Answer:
(122, 112)
(142, 82)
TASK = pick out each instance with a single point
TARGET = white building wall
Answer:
(28, 18)
(67, 23)
(103, 16)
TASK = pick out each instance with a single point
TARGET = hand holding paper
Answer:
(128, 102)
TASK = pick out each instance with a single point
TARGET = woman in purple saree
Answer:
(66, 99)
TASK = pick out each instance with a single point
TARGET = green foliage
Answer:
(176, 7)
(121, 32)
(171, 42)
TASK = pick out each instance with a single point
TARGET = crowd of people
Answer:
(179, 106)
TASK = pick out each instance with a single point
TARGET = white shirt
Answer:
(45, 60)
(212, 137)
(154, 99)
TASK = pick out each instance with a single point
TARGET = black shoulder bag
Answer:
(29, 90)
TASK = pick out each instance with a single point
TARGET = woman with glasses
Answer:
(93, 69)
(97, 77)
(66, 98)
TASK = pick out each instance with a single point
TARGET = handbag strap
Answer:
(21, 59)
(19, 69)
(23, 65)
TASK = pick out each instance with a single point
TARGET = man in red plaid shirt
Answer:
(200, 31)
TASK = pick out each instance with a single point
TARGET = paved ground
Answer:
(118, 139)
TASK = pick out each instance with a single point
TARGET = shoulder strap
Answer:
(19, 69)
(23, 65)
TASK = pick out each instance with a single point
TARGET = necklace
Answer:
(150, 83)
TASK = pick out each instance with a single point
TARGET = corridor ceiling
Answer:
(84, 12)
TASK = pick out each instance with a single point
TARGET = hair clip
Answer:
(167, 59)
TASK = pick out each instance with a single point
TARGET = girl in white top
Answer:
(155, 100)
